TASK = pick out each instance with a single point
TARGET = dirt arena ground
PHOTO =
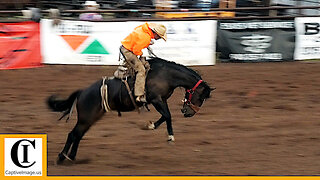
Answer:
(263, 119)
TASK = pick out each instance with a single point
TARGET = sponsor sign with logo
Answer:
(307, 38)
(256, 41)
(98, 43)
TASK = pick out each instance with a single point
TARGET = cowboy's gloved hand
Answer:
(143, 59)
(147, 65)
(145, 62)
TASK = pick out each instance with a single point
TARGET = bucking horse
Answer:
(161, 81)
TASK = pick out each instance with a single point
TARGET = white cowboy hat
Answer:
(91, 3)
(160, 29)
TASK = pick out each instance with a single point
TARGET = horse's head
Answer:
(195, 97)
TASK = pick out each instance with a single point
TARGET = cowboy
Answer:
(131, 48)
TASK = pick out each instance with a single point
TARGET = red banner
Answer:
(20, 45)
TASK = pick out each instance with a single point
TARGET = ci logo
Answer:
(26, 145)
(23, 156)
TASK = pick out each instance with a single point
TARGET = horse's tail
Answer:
(65, 106)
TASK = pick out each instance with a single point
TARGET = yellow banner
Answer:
(24, 156)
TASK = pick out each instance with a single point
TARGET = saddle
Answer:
(126, 71)
(123, 73)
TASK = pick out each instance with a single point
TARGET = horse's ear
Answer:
(211, 89)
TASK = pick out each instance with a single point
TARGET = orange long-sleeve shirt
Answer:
(139, 39)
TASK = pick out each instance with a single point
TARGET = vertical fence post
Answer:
(298, 3)
(227, 3)
(267, 3)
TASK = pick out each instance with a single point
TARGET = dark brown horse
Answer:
(162, 79)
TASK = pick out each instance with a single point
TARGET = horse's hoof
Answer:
(62, 157)
(67, 157)
(59, 160)
(150, 125)
(171, 138)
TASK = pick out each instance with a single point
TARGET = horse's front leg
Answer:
(162, 108)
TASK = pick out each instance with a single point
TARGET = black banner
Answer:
(256, 41)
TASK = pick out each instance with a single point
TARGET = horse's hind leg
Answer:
(73, 139)
(85, 121)
(89, 111)
(63, 155)
(79, 132)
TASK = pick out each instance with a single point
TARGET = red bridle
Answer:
(191, 91)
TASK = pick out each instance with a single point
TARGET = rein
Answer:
(130, 94)
(191, 92)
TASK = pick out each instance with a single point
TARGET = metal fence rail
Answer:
(267, 13)
(178, 10)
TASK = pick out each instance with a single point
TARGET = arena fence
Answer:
(193, 41)
(272, 12)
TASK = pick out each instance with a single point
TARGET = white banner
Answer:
(189, 42)
(97, 43)
(307, 38)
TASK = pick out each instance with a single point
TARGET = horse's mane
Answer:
(162, 62)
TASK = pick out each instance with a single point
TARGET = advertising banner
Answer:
(19, 45)
(256, 41)
(98, 43)
(189, 42)
(307, 38)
